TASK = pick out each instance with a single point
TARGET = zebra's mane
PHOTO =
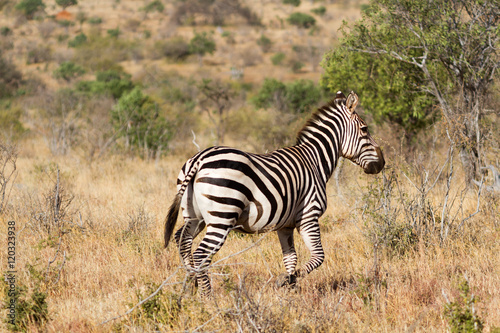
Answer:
(315, 118)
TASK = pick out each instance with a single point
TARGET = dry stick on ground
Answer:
(8, 155)
(165, 282)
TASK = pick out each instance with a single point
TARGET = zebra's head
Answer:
(357, 144)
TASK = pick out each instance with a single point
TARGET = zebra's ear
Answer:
(352, 101)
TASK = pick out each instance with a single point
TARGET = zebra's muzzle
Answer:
(375, 166)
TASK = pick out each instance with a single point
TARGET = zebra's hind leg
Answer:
(289, 258)
(184, 239)
(311, 235)
(211, 243)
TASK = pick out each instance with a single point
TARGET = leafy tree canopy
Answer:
(66, 3)
(30, 7)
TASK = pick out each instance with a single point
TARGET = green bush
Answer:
(114, 33)
(201, 44)
(68, 71)
(94, 20)
(30, 7)
(461, 314)
(297, 66)
(302, 95)
(295, 3)
(265, 43)
(5, 31)
(296, 97)
(278, 58)
(137, 119)
(66, 3)
(155, 5)
(319, 11)
(79, 40)
(111, 82)
(302, 20)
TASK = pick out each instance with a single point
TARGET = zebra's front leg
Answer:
(211, 243)
(289, 258)
(311, 235)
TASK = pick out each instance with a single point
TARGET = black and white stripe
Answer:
(224, 188)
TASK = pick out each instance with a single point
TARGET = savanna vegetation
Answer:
(101, 103)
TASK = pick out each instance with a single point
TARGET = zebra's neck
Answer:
(322, 136)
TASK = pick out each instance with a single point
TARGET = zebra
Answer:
(226, 189)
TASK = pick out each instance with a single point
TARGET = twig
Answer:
(164, 283)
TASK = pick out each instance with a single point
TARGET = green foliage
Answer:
(461, 313)
(114, 33)
(265, 43)
(155, 5)
(79, 40)
(95, 20)
(295, 3)
(136, 117)
(277, 59)
(66, 3)
(301, 20)
(201, 44)
(297, 66)
(68, 71)
(297, 96)
(30, 7)
(31, 307)
(319, 11)
(302, 95)
(390, 89)
(5, 31)
(110, 82)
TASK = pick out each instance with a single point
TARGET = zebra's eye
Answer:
(364, 129)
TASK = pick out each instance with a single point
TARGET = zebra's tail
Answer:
(171, 219)
(173, 211)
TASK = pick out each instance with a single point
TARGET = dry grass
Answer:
(114, 257)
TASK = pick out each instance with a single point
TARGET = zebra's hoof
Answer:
(286, 280)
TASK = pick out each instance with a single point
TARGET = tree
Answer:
(30, 7)
(451, 46)
(202, 44)
(66, 3)
(301, 20)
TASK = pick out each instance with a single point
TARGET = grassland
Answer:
(412, 249)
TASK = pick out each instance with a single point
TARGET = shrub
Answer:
(272, 93)
(111, 82)
(137, 119)
(155, 5)
(302, 95)
(79, 40)
(30, 7)
(461, 313)
(66, 3)
(264, 43)
(201, 44)
(5, 31)
(301, 20)
(278, 58)
(295, 3)
(297, 66)
(68, 71)
(319, 11)
(114, 33)
(297, 96)
(95, 20)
